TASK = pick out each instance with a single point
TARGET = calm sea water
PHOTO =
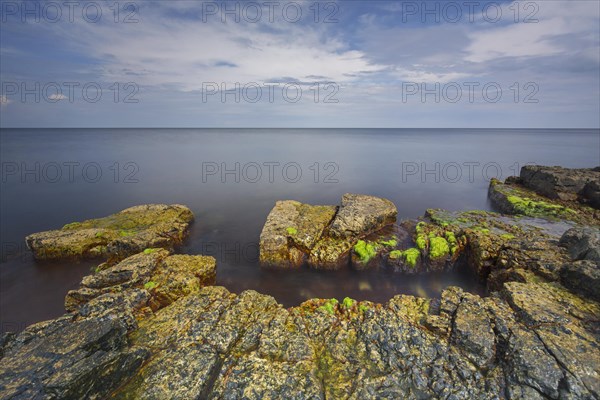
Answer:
(232, 178)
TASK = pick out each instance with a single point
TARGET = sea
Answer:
(231, 178)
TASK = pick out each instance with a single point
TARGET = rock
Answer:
(161, 276)
(532, 339)
(472, 331)
(70, 360)
(590, 194)
(116, 236)
(582, 277)
(516, 200)
(321, 236)
(292, 229)
(360, 215)
(559, 183)
(583, 243)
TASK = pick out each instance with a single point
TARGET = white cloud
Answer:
(421, 75)
(183, 54)
(534, 39)
(57, 97)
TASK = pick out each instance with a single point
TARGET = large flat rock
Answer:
(360, 215)
(116, 236)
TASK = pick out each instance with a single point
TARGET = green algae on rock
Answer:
(116, 236)
(323, 236)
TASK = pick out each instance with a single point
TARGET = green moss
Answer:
(395, 254)
(389, 243)
(150, 285)
(291, 231)
(452, 242)
(507, 236)
(150, 250)
(438, 247)
(421, 242)
(348, 302)
(410, 256)
(99, 234)
(329, 306)
(365, 251)
(527, 206)
(124, 233)
(72, 225)
(362, 307)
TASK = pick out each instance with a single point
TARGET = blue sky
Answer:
(352, 64)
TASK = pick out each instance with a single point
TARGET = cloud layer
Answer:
(369, 50)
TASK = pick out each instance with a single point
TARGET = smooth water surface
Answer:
(232, 178)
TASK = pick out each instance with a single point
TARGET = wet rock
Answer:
(162, 277)
(583, 243)
(560, 183)
(582, 277)
(116, 236)
(322, 236)
(85, 359)
(292, 229)
(360, 215)
(590, 194)
(472, 331)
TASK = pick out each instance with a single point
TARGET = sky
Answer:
(345, 63)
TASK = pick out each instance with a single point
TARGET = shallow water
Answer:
(83, 174)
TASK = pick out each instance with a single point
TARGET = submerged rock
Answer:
(323, 236)
(116, 236)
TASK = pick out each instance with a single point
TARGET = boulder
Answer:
(116, 236)
(582, 277)
(582, 243)
(558, 182)
(322, 236)
(291, 231)
(516, 199)
(360, 215)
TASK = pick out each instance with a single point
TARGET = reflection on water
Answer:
(232, 178)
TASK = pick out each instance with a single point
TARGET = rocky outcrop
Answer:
(513, 198)
(322, 236)
(291, 231)
(152, 326)
(116, 236)
(563, 183)
(530, 340)
(360, 215)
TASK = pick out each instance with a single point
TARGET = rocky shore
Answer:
(151, 324)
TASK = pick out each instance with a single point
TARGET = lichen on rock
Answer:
(116, 236)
